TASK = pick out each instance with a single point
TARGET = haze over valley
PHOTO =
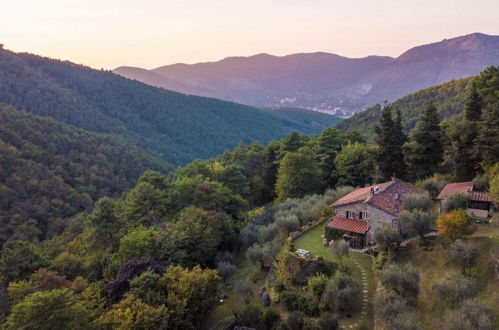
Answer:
(325, 81)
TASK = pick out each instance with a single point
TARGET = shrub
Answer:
(389, 304)
(327, 321)
(456, 201)
(251, 316)
(340, 249)
(463, 255)
(295, 321)
(404, 321)
(245, 289)
(471, 315)
(287, 223)
(269, 253)
(254, 253)
(417, 222)
(342, 293)
(267, 233)
(433, 185)
(224, 256)
(420, 202)
(271, 318)
(454, 290)
(316, 285)
(481, 183)
(402, 279)
(332, 195)
(225, 269)
(394, 311)
(294, 301)
(380, 259)
(249, 235)
(265, 218)
(387, 238)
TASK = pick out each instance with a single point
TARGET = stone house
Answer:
(480, 205)
(360, 213)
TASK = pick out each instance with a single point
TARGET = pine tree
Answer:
(424, 153)
(390, 138)
(330, 142)
(473, 109)
(486, 146)
(487, 142)
(291, 143)
(399, 140)
(465, 135)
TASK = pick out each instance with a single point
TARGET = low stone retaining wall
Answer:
(294, 235)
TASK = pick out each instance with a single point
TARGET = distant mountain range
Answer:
(324, 80)
(174, 127)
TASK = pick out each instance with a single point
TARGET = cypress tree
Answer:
(390, 138)
(424, 153)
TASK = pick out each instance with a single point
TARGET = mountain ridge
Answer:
(175, 127)
(324, 80)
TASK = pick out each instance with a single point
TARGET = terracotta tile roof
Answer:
(351, 225)
(386, 203)
(388, 198)
(453, 188)
(480, 196)
(360, 195)
(467, 188)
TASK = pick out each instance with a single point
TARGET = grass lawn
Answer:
(312, 241)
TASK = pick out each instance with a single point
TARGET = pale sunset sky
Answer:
(151, 33)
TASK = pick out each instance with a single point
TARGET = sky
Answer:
(151, 33)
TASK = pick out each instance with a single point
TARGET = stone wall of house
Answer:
(377, 218)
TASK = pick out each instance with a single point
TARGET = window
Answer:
(350, 214)
(363, 215)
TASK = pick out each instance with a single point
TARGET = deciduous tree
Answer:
(455, 225)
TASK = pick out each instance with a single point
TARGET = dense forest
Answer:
(448, 98)
(51, 171)
(174, 127)
(160, 254)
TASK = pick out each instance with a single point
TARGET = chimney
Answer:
(396, 208)
(372, 192)
(394, 178)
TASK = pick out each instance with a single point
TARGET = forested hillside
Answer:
(166, 252)
(174, 127)
(448, 98)
(50, 171)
